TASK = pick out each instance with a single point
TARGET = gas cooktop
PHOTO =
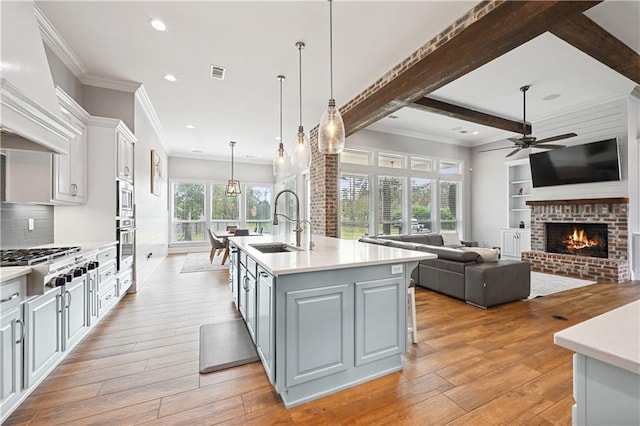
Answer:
(33, 256)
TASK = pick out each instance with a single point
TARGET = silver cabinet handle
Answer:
(59, 303)
(67, 293)
(13, 296)
(264, 274)
(126, 170)
(21, 339)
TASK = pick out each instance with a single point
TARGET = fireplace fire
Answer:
(580, 239)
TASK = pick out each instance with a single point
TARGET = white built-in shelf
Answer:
(521, 196)
(520, 210)
(515, 182)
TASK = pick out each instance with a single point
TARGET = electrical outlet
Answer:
(396, 269)
(32, 224)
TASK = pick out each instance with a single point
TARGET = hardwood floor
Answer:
(472, 366)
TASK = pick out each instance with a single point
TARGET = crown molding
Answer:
(143, 98)
(635, 93)
(109, 83)
(54, 40)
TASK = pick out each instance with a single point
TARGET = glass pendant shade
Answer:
(233, 185)
(301, 152)
(281, 163)
(331, 132)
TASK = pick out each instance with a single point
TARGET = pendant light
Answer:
(233, 186)
(281, 160)
(331, 131)
(301, 152)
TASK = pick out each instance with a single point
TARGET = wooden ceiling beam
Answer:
(455, 111)
(587, 36)
(507, 26)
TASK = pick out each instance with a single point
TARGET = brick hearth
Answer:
(613, 212)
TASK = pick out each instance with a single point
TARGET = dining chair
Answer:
(217, 246)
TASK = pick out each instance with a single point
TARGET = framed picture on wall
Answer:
(156, 173)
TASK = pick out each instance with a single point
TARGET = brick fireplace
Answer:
(606, 221)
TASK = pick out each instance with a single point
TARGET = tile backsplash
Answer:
(14, 225)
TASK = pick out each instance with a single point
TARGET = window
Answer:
(258, 210)
(421, 201)
(421, 164)
(354, 206)
(355, 157)
(390, 205)
(390, 160)
(450, 167)
(224, 210)
(188, 219)
(449, 206)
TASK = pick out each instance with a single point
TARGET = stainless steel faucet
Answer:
(297, 219)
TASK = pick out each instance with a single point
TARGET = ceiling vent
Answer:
(217, 72)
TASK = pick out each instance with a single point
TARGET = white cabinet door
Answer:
(43, 321)
(525, 241)
(11, 341)
(509, 243)
(70, 171)
(75, 312)
(265, 322)
(125, 158)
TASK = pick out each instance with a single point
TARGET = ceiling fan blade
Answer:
(549, 146)
(515, 140)
(556, 138)
(515, 151)
(497, 149)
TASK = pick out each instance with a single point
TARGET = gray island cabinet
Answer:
(323, 319)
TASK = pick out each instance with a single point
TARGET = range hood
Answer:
(30, 118)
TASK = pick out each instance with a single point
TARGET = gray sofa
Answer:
(464, 271)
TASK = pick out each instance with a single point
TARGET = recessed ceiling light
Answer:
(158, 24)
(170, 77)
(475, 133)
(190, 126)
(551, 97)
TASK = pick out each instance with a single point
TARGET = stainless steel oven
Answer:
(126, 243)
(125, 199)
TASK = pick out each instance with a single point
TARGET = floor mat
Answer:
(224, 345)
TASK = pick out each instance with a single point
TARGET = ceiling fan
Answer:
(528, 141)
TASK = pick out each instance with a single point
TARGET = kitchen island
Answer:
(323, 319)
(606, 367)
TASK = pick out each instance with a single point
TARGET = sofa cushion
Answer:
(372, 240)
(403, 245)
(450, 253)
(451, 239)
(486, 254)
(434, 239)
(447, 265)
(415, 238)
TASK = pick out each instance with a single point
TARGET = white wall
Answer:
(152, 214)
(101, 102)
(489, 194)
(633, 130)
(220, 171)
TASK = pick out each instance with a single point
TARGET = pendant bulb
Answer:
(301, 150)
(281, 160)
(331, 133)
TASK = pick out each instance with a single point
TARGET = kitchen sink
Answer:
(274, 247)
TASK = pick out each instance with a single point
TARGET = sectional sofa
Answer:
(463, 270)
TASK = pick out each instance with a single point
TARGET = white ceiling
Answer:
(255, 41)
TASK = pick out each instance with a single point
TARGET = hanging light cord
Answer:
(300, 46)
(281, 77)
(331, 44)
(232, 144)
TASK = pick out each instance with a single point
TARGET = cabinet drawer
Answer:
(106, 255)
(105, 274)
(124, 282)
(107, 296)
(242, 257)
(12, 293)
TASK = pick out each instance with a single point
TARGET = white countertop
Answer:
(613, 337)
(328, 253)
(10, 272)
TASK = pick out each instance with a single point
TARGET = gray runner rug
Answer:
(225, 345)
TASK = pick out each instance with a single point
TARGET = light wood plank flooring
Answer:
(472, 366)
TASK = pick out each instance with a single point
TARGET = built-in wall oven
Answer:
(126, 242)
(125, 199)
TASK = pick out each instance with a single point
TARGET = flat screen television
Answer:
(591, 162)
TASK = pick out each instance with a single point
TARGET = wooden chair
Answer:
(217, 246)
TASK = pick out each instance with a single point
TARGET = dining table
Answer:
(224, 236)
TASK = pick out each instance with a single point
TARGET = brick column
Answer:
(324, 189)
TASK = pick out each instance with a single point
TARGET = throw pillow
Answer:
(451, 239)
(487, 254)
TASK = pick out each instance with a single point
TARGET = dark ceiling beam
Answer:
(507, 26)
(454, 111)
(587, 36)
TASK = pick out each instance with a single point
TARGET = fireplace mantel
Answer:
(618, 200)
